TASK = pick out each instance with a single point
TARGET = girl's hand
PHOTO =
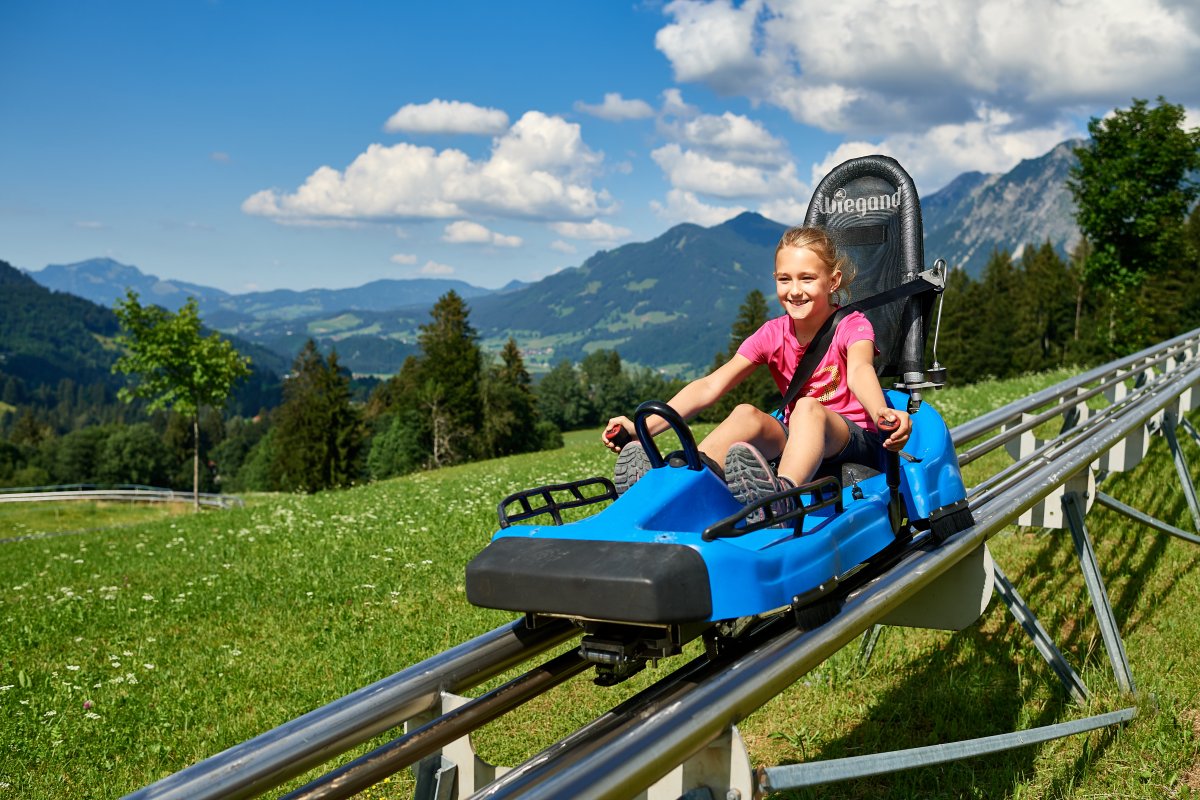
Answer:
(897, 424)
(611, 435)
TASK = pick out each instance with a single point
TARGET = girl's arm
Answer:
(693, 398)
(864, 383)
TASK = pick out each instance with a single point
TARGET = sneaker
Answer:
(750, 478)
(632, 464)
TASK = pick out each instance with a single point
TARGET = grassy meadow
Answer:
(132, 646)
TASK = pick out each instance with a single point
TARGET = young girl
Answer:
(840, 412)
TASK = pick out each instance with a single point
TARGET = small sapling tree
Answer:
(174, 365)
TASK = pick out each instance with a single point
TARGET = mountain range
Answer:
(667, 303)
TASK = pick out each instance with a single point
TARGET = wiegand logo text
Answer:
(841, 204)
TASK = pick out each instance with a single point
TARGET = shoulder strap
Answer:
(817, 349)
(820, 343)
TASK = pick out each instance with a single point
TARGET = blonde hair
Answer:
(821, 244)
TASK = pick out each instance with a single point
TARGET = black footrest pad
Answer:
(620, 581)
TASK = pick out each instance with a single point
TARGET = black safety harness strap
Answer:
(819, 346)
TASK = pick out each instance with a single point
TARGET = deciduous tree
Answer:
(1132, 189)
(175, 366)
(608, 388)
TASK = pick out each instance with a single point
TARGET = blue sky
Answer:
(261, 145)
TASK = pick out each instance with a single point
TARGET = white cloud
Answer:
(539, 169)
(934, 157)
(434, 268)
(674, 106)
(404, 259)
(876, 67)
(727, 156)
(684, 206)
(220, 157)
(464, 232)
(734, 137)
(596, 230)
(1191, 118)
(693, 171)
(616, 108)
(943, 87)
(447, 116)
(713, 43)
(563, 247)
(723, 156)
(787, 210)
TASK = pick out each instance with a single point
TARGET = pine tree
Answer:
(994, 323)
(759, 389)
(449, 377)
(510, 412)
(952, 335)
(318, 435)
(1044, 308)
(562, 399)
(403, 441)
(1190, 313)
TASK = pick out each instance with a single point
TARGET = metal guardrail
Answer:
(127, 493)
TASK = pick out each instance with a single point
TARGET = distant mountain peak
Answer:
(756, 228)
(977, 214)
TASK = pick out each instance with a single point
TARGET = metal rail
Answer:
(410, 748)
(272, 758)
(981, 425)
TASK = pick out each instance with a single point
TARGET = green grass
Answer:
(39, 520)
(130, 652)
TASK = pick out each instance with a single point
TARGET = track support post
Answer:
(1170, 423)
(1041, 639)
(1072, 508)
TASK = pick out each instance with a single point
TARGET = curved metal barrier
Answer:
(121, 493)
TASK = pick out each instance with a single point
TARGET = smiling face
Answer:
(804, 285)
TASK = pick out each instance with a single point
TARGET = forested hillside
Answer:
(57, 352)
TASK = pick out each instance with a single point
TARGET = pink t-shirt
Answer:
(775, 344)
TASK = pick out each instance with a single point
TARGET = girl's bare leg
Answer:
(745, 424)
(816, 434)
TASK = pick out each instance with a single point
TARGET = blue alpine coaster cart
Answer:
(676, 557)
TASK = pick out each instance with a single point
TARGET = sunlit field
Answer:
(132, 648)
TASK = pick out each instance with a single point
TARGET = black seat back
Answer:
(870, 207)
